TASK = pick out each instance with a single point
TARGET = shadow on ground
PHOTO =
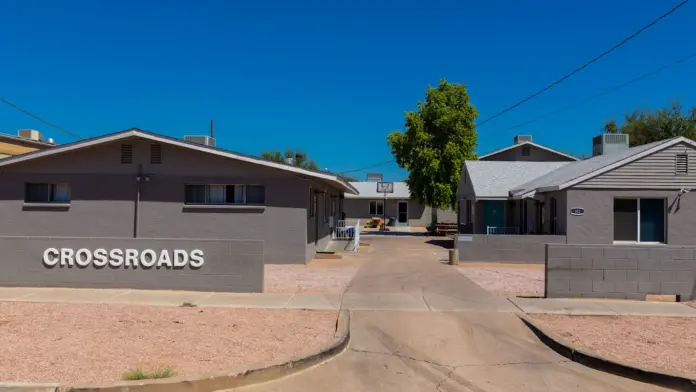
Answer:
(446, 243)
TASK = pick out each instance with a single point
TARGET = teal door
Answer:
(493, 213)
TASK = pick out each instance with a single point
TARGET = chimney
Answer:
(609, 143)
(522, 138)
(31, 134)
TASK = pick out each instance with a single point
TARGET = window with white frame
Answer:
(639, 220)
(220, 194)
(376, 207)
(46, 193)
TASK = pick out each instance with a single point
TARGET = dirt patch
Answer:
(73, 343)
(667, 343)
(319, 276)
(506, 279)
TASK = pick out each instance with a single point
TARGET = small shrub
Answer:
(188, 305)
(140, 374)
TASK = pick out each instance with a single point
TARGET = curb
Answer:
(597, 362)
(211, 382)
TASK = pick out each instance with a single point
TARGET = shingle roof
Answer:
(576, 170)
(496, 178)
(492, 153)
(368, 190)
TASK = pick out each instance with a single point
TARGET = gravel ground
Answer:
(319, 276)
(73, 343)
(667, 343)
(506, 279)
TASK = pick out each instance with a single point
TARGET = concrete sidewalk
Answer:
(315, 301)
(351, 300)
(583, 307)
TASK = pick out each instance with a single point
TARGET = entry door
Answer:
(402, 209)
(494, 213)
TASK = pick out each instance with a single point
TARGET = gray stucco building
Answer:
(136, 185)
(621, 224)
(368, 204)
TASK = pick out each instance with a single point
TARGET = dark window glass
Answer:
(625, 220)
(652, 220)
(373, 208)
(36, 193)
(255, 194)
(380, 208)
(195, 194)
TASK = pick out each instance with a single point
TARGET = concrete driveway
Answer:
(419, 325)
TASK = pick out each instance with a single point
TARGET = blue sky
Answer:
(332, 78)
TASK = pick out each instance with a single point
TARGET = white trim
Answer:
(377, 202)
(530, 144)
(622, 162)
(180, 143)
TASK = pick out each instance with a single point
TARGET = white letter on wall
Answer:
(131, 257)
(196, 258)
(164, 259)
(83, 257)
(180, 258)
(48, 260)
(100, 258)
(150, 260)
(116, 257)
(66, 257)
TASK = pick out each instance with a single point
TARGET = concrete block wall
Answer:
(229, 265)
(619, 272)
(505, 248)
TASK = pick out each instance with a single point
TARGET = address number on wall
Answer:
(577, 211)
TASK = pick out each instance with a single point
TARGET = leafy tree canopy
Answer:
(300, 158)
(439, 136)
(646, 126)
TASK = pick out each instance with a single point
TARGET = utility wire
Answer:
(605, 92)
(561, 80)
(369, 167)
(40, 119)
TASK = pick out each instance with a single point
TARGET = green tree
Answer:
(646, 126)
(439, 136)
(299, 157)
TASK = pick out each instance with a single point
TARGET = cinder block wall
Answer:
(505, 248)
(229, 265)
(622, 272)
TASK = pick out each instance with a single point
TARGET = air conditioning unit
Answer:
(31, 134)
(609, 143)
(522, 138)
(201, 139)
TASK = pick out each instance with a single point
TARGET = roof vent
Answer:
(522, 138)
(609, 143)
(155, 154)
(201, 139)
(31, 134)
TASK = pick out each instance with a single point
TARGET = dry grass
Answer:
(84, 343)
(140, 374)
(667, 343)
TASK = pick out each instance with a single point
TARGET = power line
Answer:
(40, 119)
(561, 80)
(605, 92)
(369, 167)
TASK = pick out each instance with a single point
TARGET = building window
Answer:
(126, 153)
(681, 164)
(639, 220)
(225, 194)
(376, 207)
(47, 193)
(526, 151)
(312, 201)
(156, 154)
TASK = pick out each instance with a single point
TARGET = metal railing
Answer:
(348, 229)
(502, 230)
